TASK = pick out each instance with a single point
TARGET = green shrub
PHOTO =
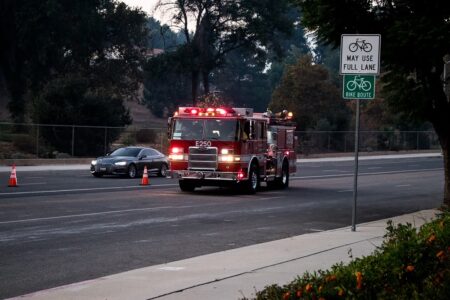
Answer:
(410, 264)
(24, 142)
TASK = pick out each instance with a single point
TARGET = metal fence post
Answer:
(106, 135)
(417, 140)
(37, 141)
(73, 139)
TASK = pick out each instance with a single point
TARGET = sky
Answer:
(149, 7)
(146, 5)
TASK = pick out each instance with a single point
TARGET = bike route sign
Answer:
(358, 87)
(360, 54)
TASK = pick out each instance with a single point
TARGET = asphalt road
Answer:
(60, 227)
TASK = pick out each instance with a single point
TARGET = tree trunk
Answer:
(194, 87)
(444, 140)
(205, 75)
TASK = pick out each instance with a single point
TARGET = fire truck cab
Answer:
(231, 146)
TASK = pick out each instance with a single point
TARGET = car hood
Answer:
(113, 159)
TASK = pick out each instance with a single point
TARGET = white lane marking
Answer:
(402, 185)
(33, 183)
(316, 230)
(90, 189)
(90, 214)
(374, 173)
(171, 268)
(332, 170)
(345, 191)
(374, 168)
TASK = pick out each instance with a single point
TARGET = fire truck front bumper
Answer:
(208, 175)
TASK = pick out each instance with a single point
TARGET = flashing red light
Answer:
(209, 109)
(176, 150)
(194, 111)
(221, 111)
(286, 152)
(240, 175)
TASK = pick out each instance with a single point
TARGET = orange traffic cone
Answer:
(13, 177)
(144, 180)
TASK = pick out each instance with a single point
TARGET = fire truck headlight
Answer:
(176, 153)
(176, 156)
(225, 151)
(227, 158)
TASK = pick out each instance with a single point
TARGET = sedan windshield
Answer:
(205, 129)
(132, 152)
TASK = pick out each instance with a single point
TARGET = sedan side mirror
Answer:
(142, 156)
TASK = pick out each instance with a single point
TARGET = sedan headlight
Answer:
(94, 162)
(120, 163)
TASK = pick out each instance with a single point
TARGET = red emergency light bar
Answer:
(207, 112)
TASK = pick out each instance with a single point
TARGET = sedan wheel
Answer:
(163, 171)
(132, 172)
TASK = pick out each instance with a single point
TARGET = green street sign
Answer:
(358, 87)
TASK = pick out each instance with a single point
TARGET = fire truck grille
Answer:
(202, 158)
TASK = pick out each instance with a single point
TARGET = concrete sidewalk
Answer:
(235, 273)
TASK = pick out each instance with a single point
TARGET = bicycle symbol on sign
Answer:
(359, 83)
(360, 44)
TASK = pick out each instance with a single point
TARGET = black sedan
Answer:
(130, 161)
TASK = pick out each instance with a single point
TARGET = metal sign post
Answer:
(359, 63)
(355, 179)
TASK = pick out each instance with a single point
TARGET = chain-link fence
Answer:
(313, 142)
(65, 141)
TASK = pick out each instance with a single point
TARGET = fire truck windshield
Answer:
(205, 129)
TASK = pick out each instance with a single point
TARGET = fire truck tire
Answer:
(253, 182)
(283, 181)
(186, 186)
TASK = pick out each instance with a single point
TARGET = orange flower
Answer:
(431, 238)
(299, 293)
(359, 279)
(308, 288)
(320, 289)
(321, 298)
(330, 278)
(441, 255)
(340, 292)
(286, 295)
(410, 268)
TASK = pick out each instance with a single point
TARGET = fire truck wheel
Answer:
(253, 182)
(186, 186)
(284, 180)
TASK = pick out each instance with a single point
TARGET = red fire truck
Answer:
(231, 146)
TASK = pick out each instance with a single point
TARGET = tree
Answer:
(73, 99)
(162, 37)
(48, 39)
(221, 26)
(307, 91)
(415, 40)
(166, 82)
(242, 82)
